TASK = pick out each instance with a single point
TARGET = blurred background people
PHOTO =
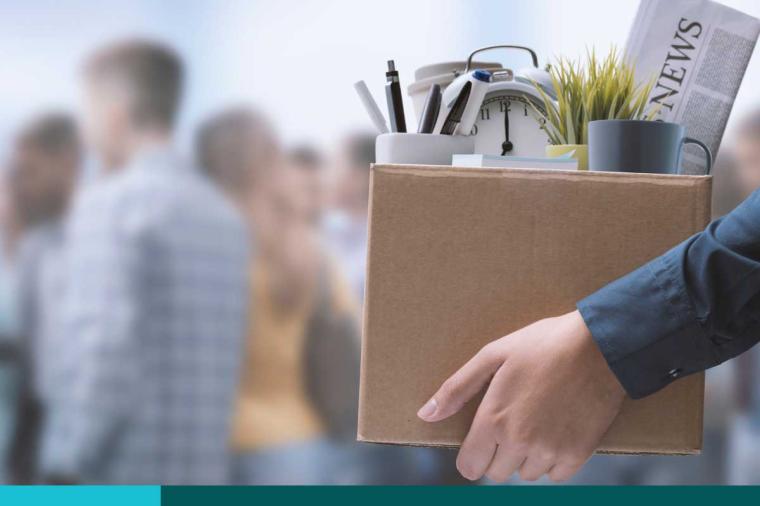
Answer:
(743, 462)
(44, 169)
(154, 304)
(747, 153)
(147, 303)
(309, 184)
(345, 226)
(298, 391)
(8, 324)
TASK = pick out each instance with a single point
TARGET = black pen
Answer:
(455, 115)
(429, 115)
(395, 100)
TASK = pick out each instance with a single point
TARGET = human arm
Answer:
(693, 308)
(557, 385)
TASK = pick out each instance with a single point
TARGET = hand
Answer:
(550, 401)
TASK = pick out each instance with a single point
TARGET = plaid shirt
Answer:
(153, 318)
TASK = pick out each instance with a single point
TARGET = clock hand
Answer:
(506, 146)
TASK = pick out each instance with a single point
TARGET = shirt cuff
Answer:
(646, 327)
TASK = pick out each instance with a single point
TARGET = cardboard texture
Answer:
(461, 256)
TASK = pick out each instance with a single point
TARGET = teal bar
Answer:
(80, 496)
(459, 496)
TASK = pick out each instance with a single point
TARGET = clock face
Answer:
(509, 125)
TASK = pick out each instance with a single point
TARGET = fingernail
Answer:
(428, 409)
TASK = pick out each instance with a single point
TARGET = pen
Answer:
(371, 106)
(455, 115)
(395, 101)
(429, 115)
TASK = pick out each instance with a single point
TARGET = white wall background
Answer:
(297, 59)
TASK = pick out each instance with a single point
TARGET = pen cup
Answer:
(421, 149)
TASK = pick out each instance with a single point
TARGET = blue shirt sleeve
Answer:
(692, 308)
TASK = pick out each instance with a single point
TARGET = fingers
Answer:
(563, 471)
(462, 385)
(532, 466)
(535, 467)
(509, 459)
(504, 464)
(476, 453)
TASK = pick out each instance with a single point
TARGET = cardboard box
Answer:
(461, 256)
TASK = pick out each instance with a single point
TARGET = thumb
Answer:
(463, 384)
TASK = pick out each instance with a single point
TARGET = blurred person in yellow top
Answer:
(298, 388)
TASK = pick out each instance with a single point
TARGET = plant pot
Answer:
(577, 151)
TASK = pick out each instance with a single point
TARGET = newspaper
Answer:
(698, 52)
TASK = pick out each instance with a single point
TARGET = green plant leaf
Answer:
(597, 88)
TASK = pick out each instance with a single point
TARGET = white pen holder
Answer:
(421, 149)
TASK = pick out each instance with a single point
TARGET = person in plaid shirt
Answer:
(153, 311)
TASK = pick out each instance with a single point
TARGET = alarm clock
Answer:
(512, 115)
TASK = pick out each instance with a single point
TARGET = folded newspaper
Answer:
(698, 52)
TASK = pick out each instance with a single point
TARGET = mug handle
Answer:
(708, 154)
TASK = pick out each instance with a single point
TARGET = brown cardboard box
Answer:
(459, 257)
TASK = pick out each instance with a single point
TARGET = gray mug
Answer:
(639, 146)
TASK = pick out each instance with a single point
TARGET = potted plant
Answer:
(597, 89)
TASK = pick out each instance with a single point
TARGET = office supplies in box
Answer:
(461, 256)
